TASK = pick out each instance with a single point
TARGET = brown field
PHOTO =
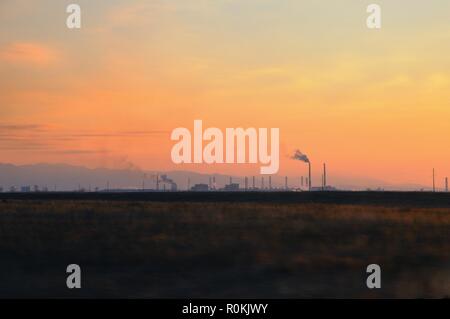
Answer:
(260, 250)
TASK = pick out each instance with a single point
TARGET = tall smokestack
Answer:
(446, 184)
(157, 182)
(301, 183)
(299, 156)
(254, 185)
(324, 175)
(309, 177)
(434, 186)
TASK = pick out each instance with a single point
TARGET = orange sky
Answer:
(369, 103)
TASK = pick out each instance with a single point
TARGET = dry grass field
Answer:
(261, 250)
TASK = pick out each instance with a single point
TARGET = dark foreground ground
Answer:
(411, 199)
(225, 248)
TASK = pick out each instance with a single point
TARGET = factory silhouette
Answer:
(156, 182)
(29, 181)
(162, 183)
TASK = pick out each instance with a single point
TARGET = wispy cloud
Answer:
(28, 53)
(78, 152)
(48, 138)
(120, 134)
(21, 127)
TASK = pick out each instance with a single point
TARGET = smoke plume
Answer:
(299, 156)
(165, 179)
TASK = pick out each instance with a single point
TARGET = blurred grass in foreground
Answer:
(147, 249)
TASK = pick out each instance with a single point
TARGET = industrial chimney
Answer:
(299, 156)
(434, 186)
(309, 176)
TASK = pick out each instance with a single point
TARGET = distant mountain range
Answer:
(64, 177)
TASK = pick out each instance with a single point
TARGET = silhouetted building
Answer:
(231, 187)
(323, 188)
(168, 184)
(25, 189)
(200, 188)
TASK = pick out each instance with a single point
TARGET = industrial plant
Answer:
(194, 182)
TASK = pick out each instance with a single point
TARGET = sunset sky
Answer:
(371, 103)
